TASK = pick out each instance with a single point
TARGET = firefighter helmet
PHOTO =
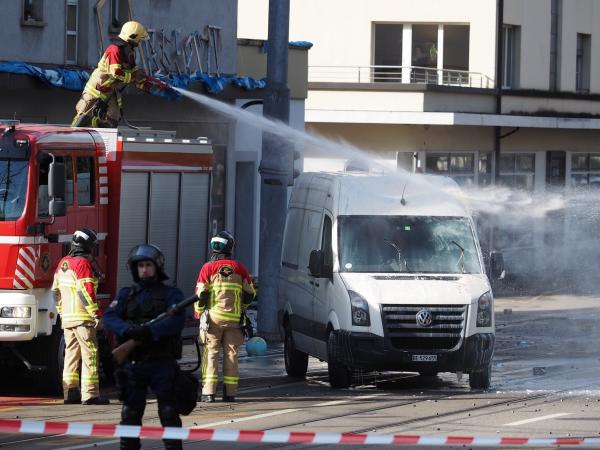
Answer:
(223, 242)
(84, 240)
(147, 252)
(133, 32)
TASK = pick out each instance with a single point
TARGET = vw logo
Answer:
(424, 318)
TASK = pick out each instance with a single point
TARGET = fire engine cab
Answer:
(132, 186)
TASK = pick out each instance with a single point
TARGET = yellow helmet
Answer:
(133, 32)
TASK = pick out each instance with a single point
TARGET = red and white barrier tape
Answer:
(276, 437)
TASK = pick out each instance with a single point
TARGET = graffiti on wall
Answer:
(171, 52)
(167, 51)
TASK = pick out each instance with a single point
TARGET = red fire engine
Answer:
(132, 186)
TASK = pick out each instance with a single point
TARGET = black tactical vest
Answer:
(138, 312)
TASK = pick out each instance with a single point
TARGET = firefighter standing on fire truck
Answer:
(74, 290)
(224, 290)
(101, 102)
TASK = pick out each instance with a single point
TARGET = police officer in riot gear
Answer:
(153, 362)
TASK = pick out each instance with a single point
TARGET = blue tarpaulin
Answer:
(63, 78)
(75, 79)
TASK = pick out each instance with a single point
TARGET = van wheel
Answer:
(340, 376)
(296, 362)
(481, 379)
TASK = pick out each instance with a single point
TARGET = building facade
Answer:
(418, 84)
(186, 37)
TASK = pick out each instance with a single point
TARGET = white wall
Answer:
(341, 30)
(534, 18)
(579, 16)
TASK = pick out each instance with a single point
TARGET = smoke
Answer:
(549, 241)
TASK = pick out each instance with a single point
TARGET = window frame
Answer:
(92, 183)
(460, 174)
(36, 6)
(515, 171)
(71, 33)
(587, 172)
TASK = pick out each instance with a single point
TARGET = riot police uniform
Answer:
(153, 363)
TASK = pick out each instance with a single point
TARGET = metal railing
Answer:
(399, 74)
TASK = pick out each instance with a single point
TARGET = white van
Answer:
(384, 272)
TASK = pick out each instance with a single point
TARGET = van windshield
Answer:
(410, 244)
(13, 188)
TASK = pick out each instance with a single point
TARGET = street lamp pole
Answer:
(275, 168)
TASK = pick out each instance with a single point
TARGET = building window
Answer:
(456, 54)
(458, 166)
(72, 26)
(424, 53)
(33, 12)
(585, 170)
(387, 52)
(517, 170)
(510, 56)
(119, 14)
(583, 66)
(485, 169)
(85, 180)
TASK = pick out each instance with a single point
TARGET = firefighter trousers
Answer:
(81, 346)
(230, 338)
(85, 107)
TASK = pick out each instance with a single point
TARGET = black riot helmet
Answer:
(147, 252)
(83, 241)
(222, 243)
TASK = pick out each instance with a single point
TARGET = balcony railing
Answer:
(399, 74)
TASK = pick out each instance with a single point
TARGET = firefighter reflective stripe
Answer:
(84, 286)
(77, 287)
(117, 71)
(95, 92)
(70, 376)
(231, 380)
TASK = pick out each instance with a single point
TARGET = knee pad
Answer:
(168, 415)
(130, 416)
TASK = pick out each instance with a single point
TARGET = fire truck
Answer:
(133, 186)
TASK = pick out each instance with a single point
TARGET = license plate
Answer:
(422, 358)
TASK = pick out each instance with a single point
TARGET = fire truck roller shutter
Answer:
(171, 211)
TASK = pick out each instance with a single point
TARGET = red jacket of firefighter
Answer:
(224, 288)
(116, 69)
(76, 285)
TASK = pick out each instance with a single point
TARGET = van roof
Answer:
(361, 193)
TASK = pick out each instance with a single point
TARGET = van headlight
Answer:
(359, 309)
(484, 310)
(14, 312)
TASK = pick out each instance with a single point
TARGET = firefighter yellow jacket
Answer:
(225, 288)
(75, 290)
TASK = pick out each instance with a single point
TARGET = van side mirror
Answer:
(497, 271)
(317, 265)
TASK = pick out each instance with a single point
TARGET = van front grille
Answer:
(406, 333)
